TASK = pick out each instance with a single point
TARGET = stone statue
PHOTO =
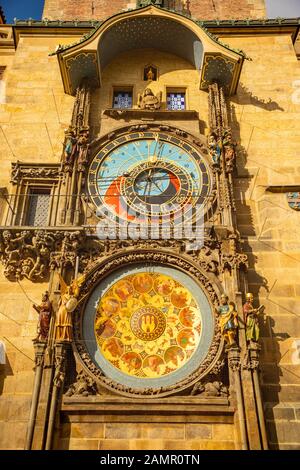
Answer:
(148, 100)
(251, 319)
(228, 321)
(45, 311)
(229, 150)
(83, 386)
(70, 146)
(210, 389)
(67, 305)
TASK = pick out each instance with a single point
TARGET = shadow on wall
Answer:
(245, 96)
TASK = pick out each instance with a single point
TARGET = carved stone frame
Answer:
(130, 257)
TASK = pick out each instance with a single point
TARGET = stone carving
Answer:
(76, 144)
(70, 146)
(294, 200)
(229, 150)
(83, 386)
(208, 259)
(67, 305)
(148, 100)
(71, 244)
(251, 359)
(59, 374)
(83, 149)
(25, 171)
(251, 319)
(218, 367)
(231, 257)
(228, 321)
(27, 253)
(214, 150)
(234, 363)
(210, 389)
(45, 311)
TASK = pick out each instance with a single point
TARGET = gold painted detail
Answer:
(147, 325)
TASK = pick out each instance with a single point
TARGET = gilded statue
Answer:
(228, 321)
(45, 311)
(148, 100)
(67, 305)
(251, 319)
(150, 74)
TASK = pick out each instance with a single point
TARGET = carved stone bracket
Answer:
(234, 359)
(84, 386)
(60, 357)
(251, 359)
(200, 142)
(210, 389)
(160, 256)
(39, 352)
(30, 253)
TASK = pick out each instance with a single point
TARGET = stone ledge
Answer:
(149, 115)
(147, 406)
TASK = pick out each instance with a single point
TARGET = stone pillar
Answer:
(61, 349)
(234, 363)
(39, 350)
(252, 364)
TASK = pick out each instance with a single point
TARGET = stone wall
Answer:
(265, 120)
(202, 9)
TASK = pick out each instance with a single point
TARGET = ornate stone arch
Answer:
(209, 284)
(145, 27)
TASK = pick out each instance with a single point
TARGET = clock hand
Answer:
(157, 186)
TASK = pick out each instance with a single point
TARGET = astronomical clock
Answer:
(146, 175)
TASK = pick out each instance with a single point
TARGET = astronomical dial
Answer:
(148, 175)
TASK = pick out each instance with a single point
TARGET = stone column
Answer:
(39, 350)
(61, 349)
(234, 363)
(252, 364)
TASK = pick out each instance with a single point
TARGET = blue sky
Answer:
(23, 9)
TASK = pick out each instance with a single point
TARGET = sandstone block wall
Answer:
(265, 116)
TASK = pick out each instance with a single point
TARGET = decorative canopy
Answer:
(150, 27)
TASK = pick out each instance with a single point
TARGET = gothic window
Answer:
(38, 207)
(122, 99)
(176, 101)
